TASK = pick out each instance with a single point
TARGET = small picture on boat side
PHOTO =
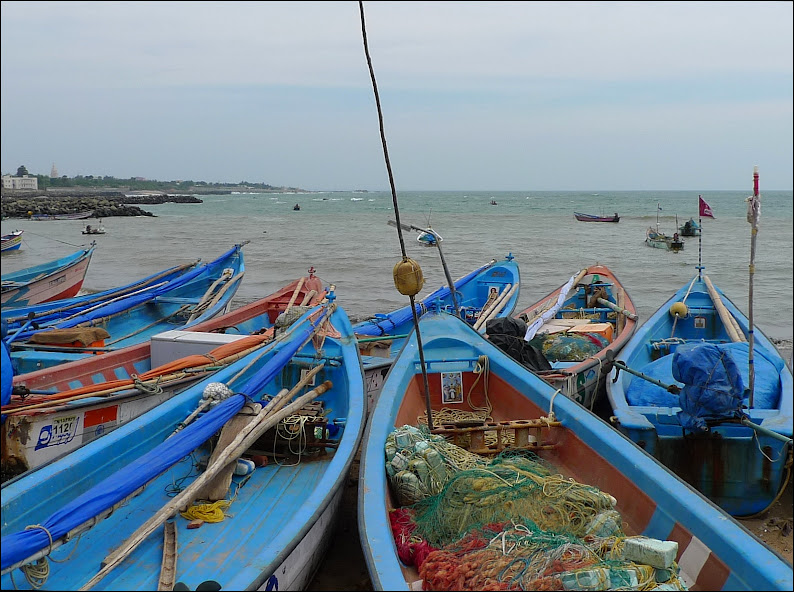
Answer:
(451, 387)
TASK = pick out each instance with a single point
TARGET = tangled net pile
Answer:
(510, 524)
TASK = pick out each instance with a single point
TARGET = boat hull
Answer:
(584, 380)
(12, 241)
(281, 514)
(38, 436)
(714, 552)
(202, 293)
(740, 470)
(54, 281)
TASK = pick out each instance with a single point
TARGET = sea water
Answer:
(345, 237)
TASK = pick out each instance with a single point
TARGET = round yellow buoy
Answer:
(408, 278)
(679, 309)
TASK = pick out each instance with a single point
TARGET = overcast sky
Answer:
(475, 95)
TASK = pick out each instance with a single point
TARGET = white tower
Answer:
(53, 172)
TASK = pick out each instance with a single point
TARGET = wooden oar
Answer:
(617, 308)
(725, 316)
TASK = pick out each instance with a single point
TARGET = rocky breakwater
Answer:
(103, 204)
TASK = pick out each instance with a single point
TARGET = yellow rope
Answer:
(207, 512)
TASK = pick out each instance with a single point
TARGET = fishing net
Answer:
(570, 347)
(512, 523)
(514, 556)
(516, 486)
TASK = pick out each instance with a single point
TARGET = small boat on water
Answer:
(197, 295)
(565, 336)
(237, 480)
(680, 389)
(429, 239)
(11, 241)
(493, 202)
(659, 240)
(53, 280)
(689, 228)
(296, 207)
(70, 216)
(94, 229)
(74, 403)
(474, 476)
(488, 292)
(593, 218)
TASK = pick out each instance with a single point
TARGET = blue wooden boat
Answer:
(58, 409)
(573, 327)
(278, 478)
(689, 228)
(489, 291)
(197, 295)
(49, 312)
(418, 484)
(11, 241)
(700, 434)
(53, 280)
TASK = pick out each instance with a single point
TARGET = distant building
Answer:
(53, 172)
(24, 182)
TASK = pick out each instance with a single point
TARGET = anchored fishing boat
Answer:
(708, 394)
(678, 390)
(68, 216)
(189, 299)
(69, 405)
(488, 292)
(54, 280)
(94, 229)
(659, 240)
(263, 446)
(11, 241)
(689, 228)
(565, 336)
(593, 218)
(474, 474)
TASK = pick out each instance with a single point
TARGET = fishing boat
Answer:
(571, 329)
(94, 229)
(74, 403)
(179, 507)
(736, 451)
(54, 280)
(593, 218)
(499, 485)
(49, 312)
(197, 295)
(689, 228)
(659, 240)
(488, 292)
(429, 239)
(11, 241)
(69, 216)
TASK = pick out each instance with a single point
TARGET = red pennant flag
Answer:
(705, 209)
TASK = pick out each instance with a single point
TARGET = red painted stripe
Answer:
(99, 416)
(713, 575)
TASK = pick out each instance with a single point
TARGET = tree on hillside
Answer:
(22, 171)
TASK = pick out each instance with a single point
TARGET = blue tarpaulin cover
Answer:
(713, 385)
(766, 387)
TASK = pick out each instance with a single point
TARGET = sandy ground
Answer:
(344, 567)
